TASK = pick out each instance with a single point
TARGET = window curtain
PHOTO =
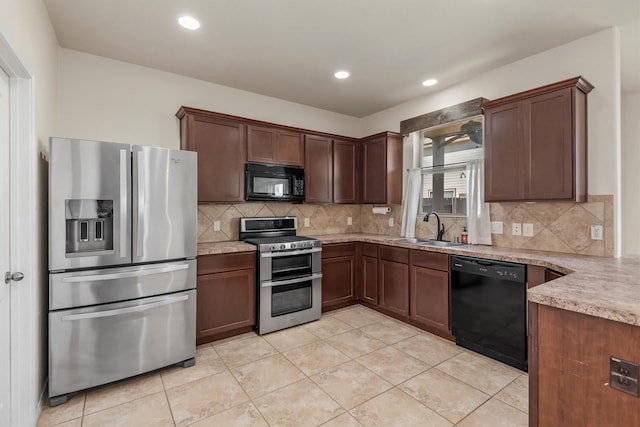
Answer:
(478, 221)
(412, 187)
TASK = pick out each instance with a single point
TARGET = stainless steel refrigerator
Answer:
(122, 249)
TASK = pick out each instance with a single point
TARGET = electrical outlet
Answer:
(516, 229)
(216, 225)
(391, 222)
(496, 227)
(306, 222)
(596, 232)
(527, 229)
(349, 220)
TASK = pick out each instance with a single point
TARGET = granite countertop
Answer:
(608, 288)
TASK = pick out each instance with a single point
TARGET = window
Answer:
(446, 149)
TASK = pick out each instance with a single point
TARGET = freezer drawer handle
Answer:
(138, 273)
(271, 284)
(289, 253)
(119, 311)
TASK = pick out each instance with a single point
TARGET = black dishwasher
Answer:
(488, 308)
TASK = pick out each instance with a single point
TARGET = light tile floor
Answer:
(354, 367)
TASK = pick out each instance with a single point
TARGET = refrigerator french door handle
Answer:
(128, 274)
(120, 311)
(123, 203)
(140, 213)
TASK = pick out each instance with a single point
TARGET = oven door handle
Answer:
(289, 253)
(271, 284)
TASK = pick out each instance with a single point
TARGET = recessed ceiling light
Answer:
(189, 22)
(341, 74)
(429, 82)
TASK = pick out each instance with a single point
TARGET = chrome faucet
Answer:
(440, 230)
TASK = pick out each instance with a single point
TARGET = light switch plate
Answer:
(527, 229)
(496, 227)
(216, 225)
(306, 222)
(349, 220)
(596, 232)
(516, 229)
(391, 222)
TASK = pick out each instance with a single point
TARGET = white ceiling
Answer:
(289, 49)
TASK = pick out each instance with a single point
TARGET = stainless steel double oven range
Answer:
(289, 272)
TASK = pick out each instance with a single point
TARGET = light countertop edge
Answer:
(602, 287)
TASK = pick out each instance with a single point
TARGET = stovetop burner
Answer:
(274, 234)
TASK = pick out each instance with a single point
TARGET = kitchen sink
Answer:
(427, 242)
(442, 243)
(410, 240)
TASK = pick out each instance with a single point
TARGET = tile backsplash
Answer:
(557, 226)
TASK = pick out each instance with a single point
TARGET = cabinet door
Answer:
(318, 169)
(226, 301)
(261, 145)
(430, 297)
(394, 286)
(221, 157)
(370, 279)
(346, 172)
(549, 164)
(374, 159)
(504, 153)
(289, 149)
(338, 279)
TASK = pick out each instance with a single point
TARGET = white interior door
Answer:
(5, 231)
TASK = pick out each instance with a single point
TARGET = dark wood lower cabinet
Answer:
(429, 295)
(573, 370)
(338, 275)
(226, 301)
(393, 279)
(429, 290)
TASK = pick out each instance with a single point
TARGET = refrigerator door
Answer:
(89, 204)
(165, 204)
(100, 344)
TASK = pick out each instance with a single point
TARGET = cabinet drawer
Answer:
(208, 264)
(432, 260)
(338, 250)
(393, 254)
(369, 249)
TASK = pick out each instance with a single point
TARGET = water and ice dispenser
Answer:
(89, 225)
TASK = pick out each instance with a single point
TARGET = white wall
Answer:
(109, 100)
(26, 27)
(631, 174)
(595, 57)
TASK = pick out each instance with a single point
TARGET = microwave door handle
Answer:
(273, 283)
(123, 203)
(140, 204)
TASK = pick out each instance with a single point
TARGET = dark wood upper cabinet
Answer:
(269, 145)
(220, 144)
(318, 169)
(536, 144)
(346, 171)
(382, 169)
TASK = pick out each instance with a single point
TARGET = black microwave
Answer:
(273, 183)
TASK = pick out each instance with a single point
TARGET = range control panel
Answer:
(624, 376)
